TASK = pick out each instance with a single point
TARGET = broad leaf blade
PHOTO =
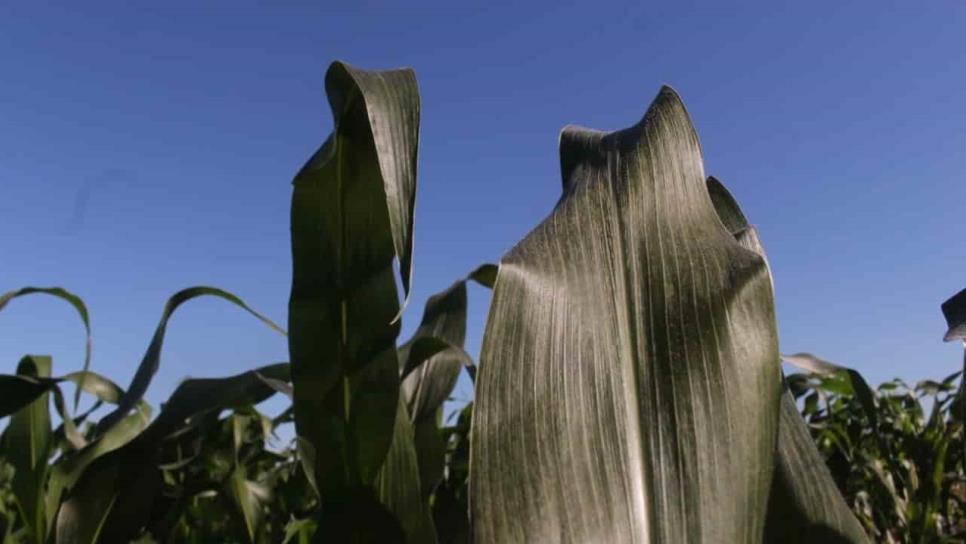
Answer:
(628, 385)
(805, 505)
(351, 216)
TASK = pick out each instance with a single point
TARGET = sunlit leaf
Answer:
(628, 384)
(804, 504)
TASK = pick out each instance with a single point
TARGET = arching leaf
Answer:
(152, 357)
(69, 298)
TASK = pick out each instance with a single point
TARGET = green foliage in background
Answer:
(900, 466)
(629, 390)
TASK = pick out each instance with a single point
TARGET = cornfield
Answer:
(629, 387)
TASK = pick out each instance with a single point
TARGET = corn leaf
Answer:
(954, 310)
(152, 357)
(71, 299)
(114, 491)
(17, 391)
(26, 445)
(352, 209)
(804, 504)
(853, 381)
(628, 385)
(433, 358)
(398, 483)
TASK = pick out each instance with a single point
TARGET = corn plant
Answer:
(629, 386)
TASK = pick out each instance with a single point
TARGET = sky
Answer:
(148, 149)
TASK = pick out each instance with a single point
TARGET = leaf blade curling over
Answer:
(620, 330)
(352, 215)
(804, 504)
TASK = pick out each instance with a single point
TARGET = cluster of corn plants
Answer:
(629, 386)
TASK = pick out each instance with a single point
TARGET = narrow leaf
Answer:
(152, 357)
(397, 484)
(71, 299)
(26, 446)
(857, 384)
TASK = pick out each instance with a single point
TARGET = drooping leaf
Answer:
(26, 446)
(124, 481)
(352, 210)
(805, 505)
(71, 299)
(628, 382)
(954, 310)
(67, 470)
(485, 275)
(428, 386)
(16, 392)
(433, 358)
(152, 357)
(853, 379)
(112, 499)
(249, 497)
(201, 395)
(94, 384)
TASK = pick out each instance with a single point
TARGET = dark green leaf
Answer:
(19, 391)
(398, 483)
(202, 395)
(26, 446)
(853, 380)
(954, 310)
(805, 505)
(351, 217)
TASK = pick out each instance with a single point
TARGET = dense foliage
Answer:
(899, 462)
(628, 389)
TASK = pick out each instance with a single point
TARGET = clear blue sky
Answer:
(145, 150)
